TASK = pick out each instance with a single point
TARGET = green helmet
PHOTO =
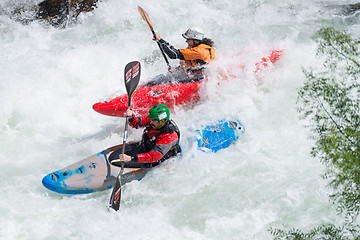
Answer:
(159, 112)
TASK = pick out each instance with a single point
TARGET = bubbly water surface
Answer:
(50, 77)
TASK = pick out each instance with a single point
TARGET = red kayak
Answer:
(147, 96)
(172, 94)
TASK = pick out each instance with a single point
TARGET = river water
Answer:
(50, 77)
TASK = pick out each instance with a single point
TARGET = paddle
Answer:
(132, 78)
(146, 17)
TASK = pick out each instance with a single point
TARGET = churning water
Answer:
(50, 77)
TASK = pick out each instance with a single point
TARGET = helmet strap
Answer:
(162, 123)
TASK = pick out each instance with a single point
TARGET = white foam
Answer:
(50, 78)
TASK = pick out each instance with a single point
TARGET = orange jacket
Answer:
(196, 57)
(191, 59)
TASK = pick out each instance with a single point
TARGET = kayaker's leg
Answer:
(132, 164)
(130, 149)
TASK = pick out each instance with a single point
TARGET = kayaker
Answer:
(199, 52)
(160, 140)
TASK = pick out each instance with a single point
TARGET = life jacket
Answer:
(149, 143)
(196, 58)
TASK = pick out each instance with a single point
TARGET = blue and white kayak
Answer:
(94, 173)
(212, 137)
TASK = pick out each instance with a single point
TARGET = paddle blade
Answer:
(145, 17)
(132, 76)
(116, 195)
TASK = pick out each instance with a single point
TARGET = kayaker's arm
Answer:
(164, 144)
(138, 122)
(172, 52)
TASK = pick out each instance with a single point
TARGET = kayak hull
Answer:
(95, 173)
(218, 135)
(174, 93)
(92, 174)
(147, 96)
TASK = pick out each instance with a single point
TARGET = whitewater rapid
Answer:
(50, 78)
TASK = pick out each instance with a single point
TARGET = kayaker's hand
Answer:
(157, 37)
(124, 158)
(128, 113)
(172, 69)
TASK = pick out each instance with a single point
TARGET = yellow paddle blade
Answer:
(145, 17)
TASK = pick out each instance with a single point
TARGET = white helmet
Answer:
(192, 34)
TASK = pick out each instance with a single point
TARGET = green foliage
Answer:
(330, 98)
(324, 232)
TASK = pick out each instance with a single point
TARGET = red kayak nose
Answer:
(115, 107)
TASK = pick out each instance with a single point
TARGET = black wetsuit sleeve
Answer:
(172, 52)
(132, 118)
(134, 158)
